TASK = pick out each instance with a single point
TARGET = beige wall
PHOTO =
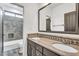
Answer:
(30, 21)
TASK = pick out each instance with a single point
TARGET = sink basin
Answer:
(36, 38)
(65, 48)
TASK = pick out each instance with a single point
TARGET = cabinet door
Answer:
(33, 50)
(39, 48)
(38, 53)
(49, 53)
(29, 50)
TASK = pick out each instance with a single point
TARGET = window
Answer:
(19, 16)
(9, 14)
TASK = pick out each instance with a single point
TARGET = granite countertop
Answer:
(47, 43)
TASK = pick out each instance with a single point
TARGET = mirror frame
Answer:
(66, 32)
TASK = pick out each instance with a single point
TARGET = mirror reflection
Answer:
(58, 17)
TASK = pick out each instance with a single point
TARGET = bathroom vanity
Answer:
(35, 49)
(55, 18)
(47, 45)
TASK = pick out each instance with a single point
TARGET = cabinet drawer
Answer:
(48, 52)
(38, 53)
(38, 47)
(32, 43)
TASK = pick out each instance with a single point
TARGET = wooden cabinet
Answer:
(33, 52)
(49, 53)
(38, 53)
(30, 48)
(39, 48)
(34, 49)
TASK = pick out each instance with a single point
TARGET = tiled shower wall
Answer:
(13, 27)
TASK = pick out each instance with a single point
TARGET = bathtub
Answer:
(16, 44)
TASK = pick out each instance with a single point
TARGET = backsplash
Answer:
(32, 35)
(54, 37)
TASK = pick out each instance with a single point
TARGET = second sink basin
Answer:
(65, 48)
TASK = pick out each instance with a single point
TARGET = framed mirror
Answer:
(59, 18)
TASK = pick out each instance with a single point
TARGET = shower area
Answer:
(11, 29)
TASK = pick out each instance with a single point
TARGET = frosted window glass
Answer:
(9, 14)
(19, 16)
